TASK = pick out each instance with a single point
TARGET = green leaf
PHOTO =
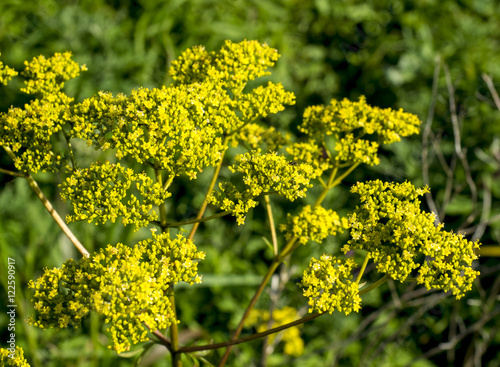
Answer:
(459, 205)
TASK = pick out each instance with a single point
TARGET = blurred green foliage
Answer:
(385, 50)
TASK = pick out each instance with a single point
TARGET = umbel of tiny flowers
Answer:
(30, 132)
(253, 136)
(401, 238)
(357, 128)
(6, 73)
(127, 285)
(328, 286)
(17, 360)
(313, 223)
(262, 174)
(102, 192)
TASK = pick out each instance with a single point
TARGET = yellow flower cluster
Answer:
(358, 128)
(229, 198)
(30, 131)
(262, 101)
(262, 174)
(47, 76)
(400, 238)
(326, 283)
(313, 224)
(253, 135)
(6, 73)
(293, 343)
(233, 66)
(311, 153)
(177, 128)
(273, 173)
(102, 192)
(17, 361)
(355, 150)
(127, 285)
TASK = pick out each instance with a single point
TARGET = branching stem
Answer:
(271, 225)
(209, 190)
(290, 246)
(363, 267)
(275, 330)
(55, 215)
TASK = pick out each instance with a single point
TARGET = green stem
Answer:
(15, 174)
(191, 221)
(326, 188)
(250, 337)
(345, 174)
(209, 190)
(70, 149)
(161, 338)
(174, 331)
(287, 250)
(168, 182)
(363, 267)
(263, 334)
(271, 225)
(274, 265)
(55, 215)
(489, 251)
(377, 284)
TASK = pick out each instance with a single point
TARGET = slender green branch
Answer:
(377, 284)
(326, 188)
(191, 221)
(70, 149)
(345, 174)
(363, 267)
(250, 337)
(322, 182)
(60, 222)
(55, 215)
(287, 250)
(332, 176)
(174, 332)
(326, 152)
(161, 338)
(168, 182)
(271, 225)
(275, 330)
(12, 173)
(209, 190)
(274, 265)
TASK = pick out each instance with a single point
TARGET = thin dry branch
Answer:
(459, 151)
(426, 135)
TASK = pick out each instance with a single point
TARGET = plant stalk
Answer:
(288, 249)
(209, 190)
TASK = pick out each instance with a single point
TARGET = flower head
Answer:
(326, 282)
(127, 285)
(358, 129)
(15, 359)
(313, 223)
(401, 238)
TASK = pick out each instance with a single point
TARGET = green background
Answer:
(385, 50)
